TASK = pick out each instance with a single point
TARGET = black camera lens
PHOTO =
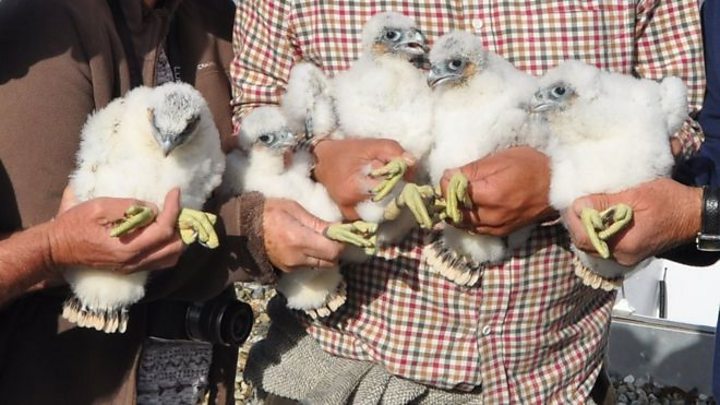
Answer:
(226, 322)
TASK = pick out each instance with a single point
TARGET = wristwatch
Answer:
(708, 239)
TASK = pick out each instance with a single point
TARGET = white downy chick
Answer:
(480, 108)
(308, 103)
(384, 95)
(140, 146)
(608, 132)
(275, 168)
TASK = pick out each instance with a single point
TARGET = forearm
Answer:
(244, 244)
(25, 262)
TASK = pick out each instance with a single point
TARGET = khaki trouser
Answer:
(602, 393)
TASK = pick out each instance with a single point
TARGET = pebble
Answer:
(630, 390)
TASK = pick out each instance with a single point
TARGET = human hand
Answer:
(80, 235)
(294, 238)
(343, 167)
(665, 214)
(509, 190)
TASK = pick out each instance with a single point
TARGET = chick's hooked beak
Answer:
(413, 43)
(439, 75)
(167, 145)
(541, 101)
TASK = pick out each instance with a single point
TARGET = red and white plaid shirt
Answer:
(530, 331)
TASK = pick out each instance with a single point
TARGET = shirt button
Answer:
(486, 330)
(478, 24)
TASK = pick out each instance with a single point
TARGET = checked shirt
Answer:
(530, 331)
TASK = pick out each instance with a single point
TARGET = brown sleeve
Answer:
(244, 239)
(46, 94)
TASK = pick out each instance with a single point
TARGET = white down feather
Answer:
(484, 113)
(613, 135)
(118, 157)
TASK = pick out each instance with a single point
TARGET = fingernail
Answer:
(409, 158)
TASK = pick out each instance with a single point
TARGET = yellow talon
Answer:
(393, 172)
(136, 216)
(618, 217)
(198, 226)
(457, 193)
(601, 226)
(358, 233)
(592, 222)
(413, 197)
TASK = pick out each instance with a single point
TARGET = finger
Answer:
(164, 257)
(320, 247)
(318, 263)
(445, 180)
(163, 230)
(171, 208)
(349, 213)
(600, 202)
(388, 150)
(306, 219)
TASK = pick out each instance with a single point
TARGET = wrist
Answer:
(708, 228)
(53, 248)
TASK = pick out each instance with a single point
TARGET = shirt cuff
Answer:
(691, 137)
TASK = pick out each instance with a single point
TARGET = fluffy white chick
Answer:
(308, 103)
(385, 95)
(274, 168)
(480, 107)
(608, 132)
(140, 146)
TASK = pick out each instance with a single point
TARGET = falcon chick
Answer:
(480, 108)
(141, 146)
(308, 103)
(275, 168)
(608, 132)
(384, 95)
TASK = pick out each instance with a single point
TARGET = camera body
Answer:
(222, 320)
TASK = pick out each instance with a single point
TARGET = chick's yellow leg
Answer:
(457, 193)
(601, 226)
(415, 198)
(592, 221)
(198, 226)
(615, 218)
(136, 217)
(392, 173)
(358, 233)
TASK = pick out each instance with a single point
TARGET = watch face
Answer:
(708, 243)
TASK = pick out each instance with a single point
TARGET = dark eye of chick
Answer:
(266, 139)
(455, 65)
(392, 35)
(191, 125)
(559, 91)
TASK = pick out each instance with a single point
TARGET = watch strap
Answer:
(711, 211)
(709, 237)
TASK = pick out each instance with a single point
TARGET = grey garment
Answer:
(291, 364)
(173, 372)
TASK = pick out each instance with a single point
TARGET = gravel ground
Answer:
(257, 296)
(630, 390)
(637, 391)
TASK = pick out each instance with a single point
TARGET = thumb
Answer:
(388, 150)
(171, 208)
(307, 219)
(599, 202)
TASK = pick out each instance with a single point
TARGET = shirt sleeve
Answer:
(264, 55)
(669, 43)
